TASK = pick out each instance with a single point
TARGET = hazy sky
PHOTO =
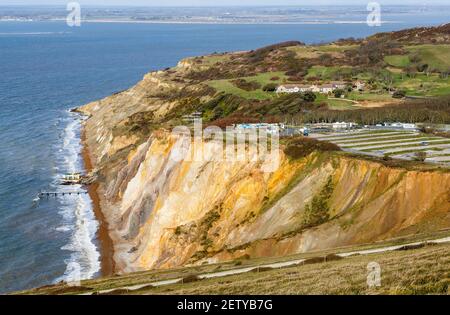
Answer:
(220, 2)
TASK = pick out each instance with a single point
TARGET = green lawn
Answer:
(265, 78)
(226, 86)
(367, 96)
(423, 85)
(326, 73)
(399, 61)
(340, 104)
(436, 56)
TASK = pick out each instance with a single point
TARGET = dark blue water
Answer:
(47, 68)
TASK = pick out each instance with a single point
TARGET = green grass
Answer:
(436, 56)
(423, 85)
(399, 61)
(367, 96)
(226, 86)
(326, 73)
(309, 52)
(340, 104)
(265, 78)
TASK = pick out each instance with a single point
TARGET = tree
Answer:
(338, 93)
(309, 97)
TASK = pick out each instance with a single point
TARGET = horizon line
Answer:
(225, 6)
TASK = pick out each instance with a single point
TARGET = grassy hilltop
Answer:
(240, 86)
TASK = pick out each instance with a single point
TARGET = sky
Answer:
(222, 2)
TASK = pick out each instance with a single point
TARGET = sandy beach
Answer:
(106, 246)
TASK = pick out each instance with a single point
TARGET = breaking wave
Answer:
(76, 210)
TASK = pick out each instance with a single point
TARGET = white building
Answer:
(339, 84)
(293, 88)
(401, 125)
(409, 126)
(343, 125)
(301, 88)
(270, 128)
(327, 88)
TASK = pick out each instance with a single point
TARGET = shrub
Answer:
(317, 212)
(338, 93)
(399, 94)
(271, 87)
(189, 279)
(309, 97)
(246, 85)
(302, 147)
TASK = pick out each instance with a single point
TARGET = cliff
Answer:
(166, 213)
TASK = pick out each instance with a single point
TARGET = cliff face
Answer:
(165, 213)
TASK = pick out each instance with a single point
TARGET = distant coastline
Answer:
(203, 22)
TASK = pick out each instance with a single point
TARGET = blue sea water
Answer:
(46, 68)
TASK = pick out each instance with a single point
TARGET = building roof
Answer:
(290, 86)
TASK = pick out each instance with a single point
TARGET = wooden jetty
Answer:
(60, 193)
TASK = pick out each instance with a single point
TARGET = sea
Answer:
(47, 68)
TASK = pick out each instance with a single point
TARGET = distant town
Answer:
(221, 15)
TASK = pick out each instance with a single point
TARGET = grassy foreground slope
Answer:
(409, 269)
(422, 271)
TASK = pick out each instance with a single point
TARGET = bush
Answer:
(271, 87)
(189, 279)
(399, 94)
(245, 85)
(302, 147)
(317, 212)
(309, 97)
(339, 93)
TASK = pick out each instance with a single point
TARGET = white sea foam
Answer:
(76, 211)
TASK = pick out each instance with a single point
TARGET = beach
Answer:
(106, 246)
